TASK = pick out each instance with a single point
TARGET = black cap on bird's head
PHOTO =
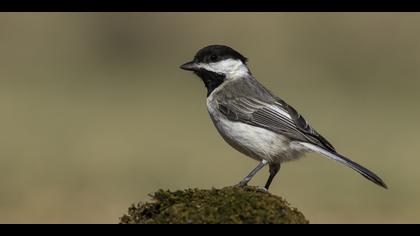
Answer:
(212, 54)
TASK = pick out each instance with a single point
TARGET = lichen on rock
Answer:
(230, 205)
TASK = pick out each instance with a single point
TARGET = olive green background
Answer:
(96, 114)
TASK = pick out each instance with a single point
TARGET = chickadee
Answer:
(253, 120)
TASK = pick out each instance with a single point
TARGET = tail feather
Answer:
(349, 163)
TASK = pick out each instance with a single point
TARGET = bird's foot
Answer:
(262, 189)
(241, 184)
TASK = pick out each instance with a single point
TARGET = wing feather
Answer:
(278, 117)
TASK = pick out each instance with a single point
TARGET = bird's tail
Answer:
(349, 163)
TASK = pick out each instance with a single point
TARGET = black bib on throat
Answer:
(211, 80)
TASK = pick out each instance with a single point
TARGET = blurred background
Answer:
(96, 114)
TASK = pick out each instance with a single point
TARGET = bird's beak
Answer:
(192, 66)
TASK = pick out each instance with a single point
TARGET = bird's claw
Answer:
(262, 189)
(241, 184)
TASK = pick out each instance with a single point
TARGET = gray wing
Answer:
(276, 116)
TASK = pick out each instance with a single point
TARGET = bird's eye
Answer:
(213, 58)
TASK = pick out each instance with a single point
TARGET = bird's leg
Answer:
(274, 169)
(245, 181)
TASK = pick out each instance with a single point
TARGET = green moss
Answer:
(230, 205)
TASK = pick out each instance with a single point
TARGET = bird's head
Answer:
(216, 64)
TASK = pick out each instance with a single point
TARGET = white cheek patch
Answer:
(206, 67)
(231, 68)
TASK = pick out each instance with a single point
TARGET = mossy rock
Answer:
(230, 205)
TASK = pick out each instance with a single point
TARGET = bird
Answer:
(255, 121)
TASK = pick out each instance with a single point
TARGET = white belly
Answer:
(255, 142)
